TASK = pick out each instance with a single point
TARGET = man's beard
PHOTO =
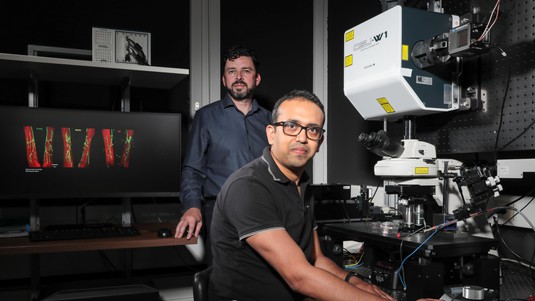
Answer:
(242, 95)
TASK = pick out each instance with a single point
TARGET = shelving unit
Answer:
(79, 71)
(35, 69)
(39, 68)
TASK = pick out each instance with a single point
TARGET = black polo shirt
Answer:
(257, 198)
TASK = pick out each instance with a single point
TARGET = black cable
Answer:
(402, 275)
(503, 103)
(460, 187)
(532, 275)
(376, 188)
(519, 198)
(516, 213)
(520, 259)
(519, 135)
(371, 199)
(400, 269)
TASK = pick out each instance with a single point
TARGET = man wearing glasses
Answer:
(264, 237)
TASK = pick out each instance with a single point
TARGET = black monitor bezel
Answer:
(118, 120)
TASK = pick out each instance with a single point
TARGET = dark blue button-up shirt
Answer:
(221, 140)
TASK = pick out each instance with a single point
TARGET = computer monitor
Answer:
(62, 153)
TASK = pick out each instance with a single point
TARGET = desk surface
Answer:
(441, 245)
(148, 238)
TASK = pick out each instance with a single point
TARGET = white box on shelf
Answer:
(121, 46)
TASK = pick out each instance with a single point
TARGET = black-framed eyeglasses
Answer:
(292, 128)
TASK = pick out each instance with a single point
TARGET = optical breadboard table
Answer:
(441, 245)
(432, 261)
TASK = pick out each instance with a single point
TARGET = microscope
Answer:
(410, 172)
(419, 185)
(399, 65)
(395, 68)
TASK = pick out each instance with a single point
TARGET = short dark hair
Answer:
(304, 94)
(236, 51)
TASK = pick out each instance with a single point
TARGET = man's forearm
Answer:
(191, 188)
(330, 266)
(325, 263)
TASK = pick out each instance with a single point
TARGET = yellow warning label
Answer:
(388, 108)
(421, 170)
(348, 61)
(350, 35)
(405, 52)
(386, 105)
(382, 100)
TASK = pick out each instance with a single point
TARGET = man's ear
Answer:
(270, 133)
(319, 143)
(258, 79)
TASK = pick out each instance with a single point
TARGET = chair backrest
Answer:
(200, 284)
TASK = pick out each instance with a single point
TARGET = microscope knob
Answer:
(490, 182)
(472, 292)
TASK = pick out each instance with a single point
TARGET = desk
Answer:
(147, 239)
(440, 262)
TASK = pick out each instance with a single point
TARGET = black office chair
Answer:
(200, 284)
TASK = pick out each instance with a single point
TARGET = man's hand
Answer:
(370, 288)
(190, 220)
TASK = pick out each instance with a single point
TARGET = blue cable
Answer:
(403, 262)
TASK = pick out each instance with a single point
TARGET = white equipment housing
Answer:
(380, 78)
(417, 160)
